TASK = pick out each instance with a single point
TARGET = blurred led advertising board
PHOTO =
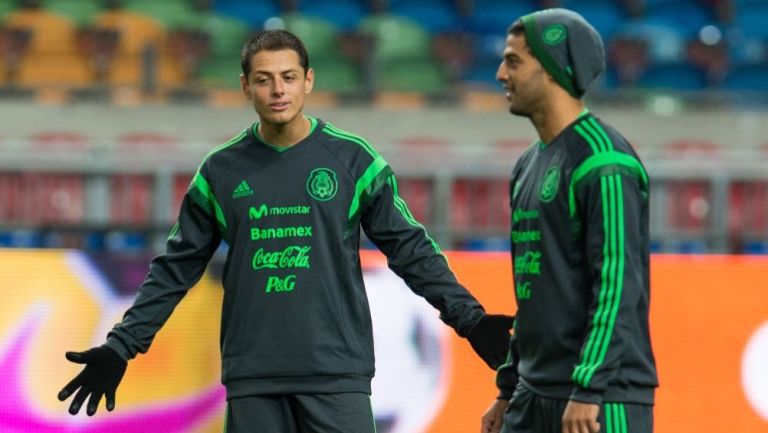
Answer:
(709, 327)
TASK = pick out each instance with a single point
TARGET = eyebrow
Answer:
(286, 71)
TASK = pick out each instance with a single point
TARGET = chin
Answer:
(277, 118)
(517, 111)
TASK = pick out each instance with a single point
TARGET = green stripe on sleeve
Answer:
(406, 213)
(588, 138)
(205, 190)
(338, 133)
(612, 274)
(375, 175)
(606, 163)
(591, 126)
(174, 230)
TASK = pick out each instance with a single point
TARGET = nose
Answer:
(278, 87)
(501, 73)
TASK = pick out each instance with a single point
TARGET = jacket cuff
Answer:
(586, 396)
(115, 344)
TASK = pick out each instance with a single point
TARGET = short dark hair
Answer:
(273, 40)
(518, 29)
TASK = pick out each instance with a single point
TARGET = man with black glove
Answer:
(104, 369)
(291, 196)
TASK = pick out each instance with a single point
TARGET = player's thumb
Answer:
(80, 357)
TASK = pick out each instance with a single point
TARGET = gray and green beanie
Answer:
(567, 46)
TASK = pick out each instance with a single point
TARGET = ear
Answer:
(244, 86)
(309, 81)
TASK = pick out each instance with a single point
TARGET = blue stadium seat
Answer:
(678, 246)
(666, 43)
(252, 13)
(345, 14)
(495, 16)
(434, 15)
(688, 16)
(488, 46)
(755, 247)
(752, 19)
(487, 244)
(483, 73)
(21, 238)
(747, 78)
(673, 76)
(605, 16)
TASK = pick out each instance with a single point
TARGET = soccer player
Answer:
(580, 359)
(289, 195)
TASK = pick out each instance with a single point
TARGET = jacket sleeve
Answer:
(416, 258)
(506, 375)
(189, 247)
(612, 198)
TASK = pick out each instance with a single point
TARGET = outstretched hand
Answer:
(490, 338)
(104, 369)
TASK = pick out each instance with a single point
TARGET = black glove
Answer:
(104, 369)
(490, 338)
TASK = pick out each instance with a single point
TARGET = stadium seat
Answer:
(486, 58)
(748, 208)
(747, 78)
(130, 199)
(147, 142)
(172, 14)
(751, 19)
(318, 35)
(228, 35)
(81, 12)
(482, 74)
(691, 148)
(605, 16)
(434, 15)
(687, 16)
(344, 14)
(688, 206)
(7, 6)
(417, 193)
(481, 204)
(337, 75)
(34, 198)
(419, 76)
(755, 247)
(665, 43)
(60, 140)
(220, 71)
(396, 38)
(495, 16)
(21, 238)
(673, 76)
(254, 13)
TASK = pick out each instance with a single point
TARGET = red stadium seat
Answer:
(157, 143)
(417, 193)
(131, 199)
(688, 204)
(59, 140)
(34, 198)
(691, 147)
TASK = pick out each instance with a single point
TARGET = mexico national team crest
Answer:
(549, 184)
(554, 34)
(322, 184)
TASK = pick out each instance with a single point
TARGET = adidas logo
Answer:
(242, 190)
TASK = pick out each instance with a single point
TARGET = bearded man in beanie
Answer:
(580, 360)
